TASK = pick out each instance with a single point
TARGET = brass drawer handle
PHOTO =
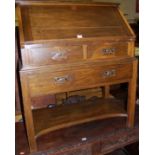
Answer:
(58, 56)
(108, 51)
(109, 73)
(62, 79)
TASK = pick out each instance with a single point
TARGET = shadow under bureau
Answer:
(68, 46)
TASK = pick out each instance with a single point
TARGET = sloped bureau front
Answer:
(44, 22)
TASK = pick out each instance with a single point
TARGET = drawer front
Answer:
(40, 56)
(70, 52)
(101, 50)
(64, 81)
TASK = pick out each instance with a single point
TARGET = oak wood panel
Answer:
(46, 120)
(43, 101)
(45, 82)
(26, 24)
(126, 23)
(72, 33)
(99, 50)
(71, 52)
(68, 17)
(131, 49)
(72, 20)
(21, 34)
(55, 54)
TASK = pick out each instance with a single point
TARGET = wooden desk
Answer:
(68, 46)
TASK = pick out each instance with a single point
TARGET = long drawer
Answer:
(46, 82)
(74, 52)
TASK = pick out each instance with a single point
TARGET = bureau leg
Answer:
(132, 97)
(28, 114)
(30, 129)
(67, 95)
(106, 92)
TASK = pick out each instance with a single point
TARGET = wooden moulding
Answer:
(47, 120)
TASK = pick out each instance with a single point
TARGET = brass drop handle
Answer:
(58, 55)
(108, 51)
(109, 73)
(62, 79)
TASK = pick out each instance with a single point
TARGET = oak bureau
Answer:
(68, 46)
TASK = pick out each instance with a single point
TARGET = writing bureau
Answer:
(68, 46)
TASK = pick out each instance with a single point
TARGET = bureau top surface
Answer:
(46, 21)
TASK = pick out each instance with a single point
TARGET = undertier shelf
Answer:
(46, 120)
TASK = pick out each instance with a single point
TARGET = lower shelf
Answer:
(46, 120)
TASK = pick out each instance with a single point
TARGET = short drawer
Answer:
(101, 50)
(55, 82)
(54, 54)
